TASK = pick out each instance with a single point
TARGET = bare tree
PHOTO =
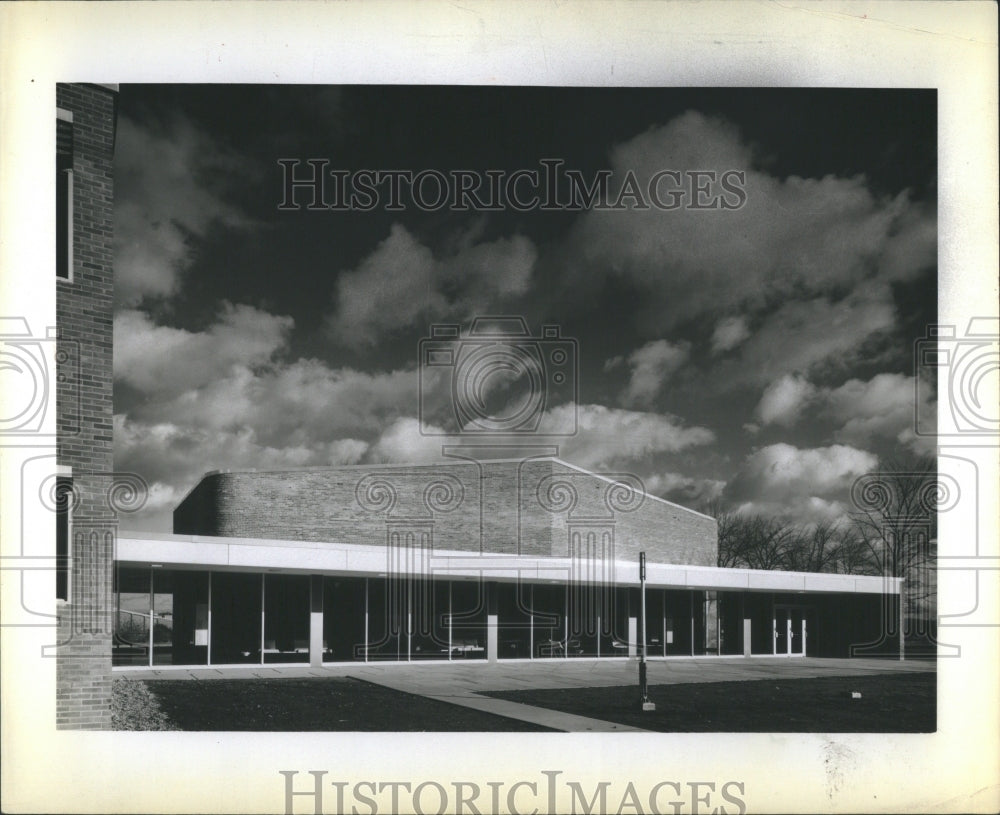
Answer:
(895, 516)
(895, 513)
(753, 541)
(852, 554)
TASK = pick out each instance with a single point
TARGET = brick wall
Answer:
(84, 408)
(537, 507)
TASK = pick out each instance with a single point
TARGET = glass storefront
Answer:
(186, 617)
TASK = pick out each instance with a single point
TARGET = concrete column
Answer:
(491, 637)
(902, 621)
(711, 622)
(747, 632)
(315, 620)
(633, 637)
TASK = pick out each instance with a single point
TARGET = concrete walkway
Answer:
(462, 683)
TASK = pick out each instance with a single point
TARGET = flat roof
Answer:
(203, 552)
(455, 460)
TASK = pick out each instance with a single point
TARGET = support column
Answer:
(315, 620)
(491, 637)
(902, 637)
(633, 637)
(747, 626)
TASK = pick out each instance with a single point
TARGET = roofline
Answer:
(452, 462)
(500, 560)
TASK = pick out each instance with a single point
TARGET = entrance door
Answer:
(780, 630)
(796, 631)
(790, 630)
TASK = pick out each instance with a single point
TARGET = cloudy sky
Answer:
(760, 355)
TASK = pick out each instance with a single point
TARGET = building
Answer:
(492, 560)
(86, 520)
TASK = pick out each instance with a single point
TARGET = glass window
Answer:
(343, 619)
(64, 500)
(387, 603)
(468, 619)
(430, 604)
(130, 644)
(615, 627)
(64, 196)
(236, 618)
(513, 620)
(655, 634)
(180, 604)
(286, 618)
(549, 620)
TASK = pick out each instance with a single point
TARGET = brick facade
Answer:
(84, 408)
(532, 507)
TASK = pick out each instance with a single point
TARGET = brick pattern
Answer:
(84, 413)
(504, 509)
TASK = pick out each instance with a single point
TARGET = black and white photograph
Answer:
(474, 442)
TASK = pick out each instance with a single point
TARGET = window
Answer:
(64, 503)
(64, 194)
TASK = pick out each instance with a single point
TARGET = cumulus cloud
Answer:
(783, 479)
(226, 398)
(402, 442)
(172, 458)
(166, 197)
(792, 236)
(609, 436)
(402, 281)
(807, 512)
(783, 400)
(160, 360)
(805, 334)
(883, 407)
(651, 366)
(809, 262)
(729, 332)
(684, 489)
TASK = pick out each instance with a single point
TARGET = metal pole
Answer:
(643, 686)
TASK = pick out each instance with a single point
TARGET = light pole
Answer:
(643, 686)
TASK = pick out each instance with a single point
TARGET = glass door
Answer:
(791, 630)
(780, 630)
(796, 631)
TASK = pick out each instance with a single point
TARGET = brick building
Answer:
(86, 528)
(528, 558)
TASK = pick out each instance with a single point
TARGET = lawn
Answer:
(889, 703)
(317, 704)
